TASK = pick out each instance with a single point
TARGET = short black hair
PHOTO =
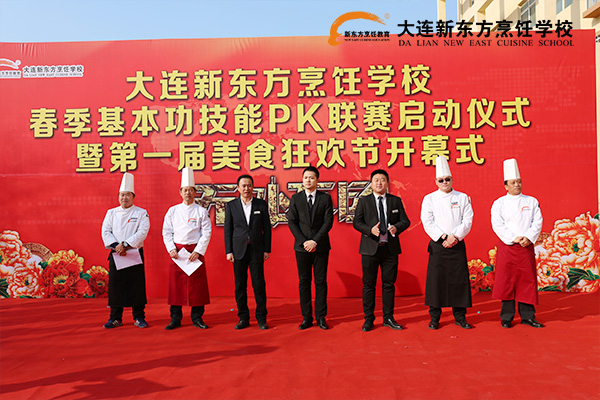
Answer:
(505, 183)
(380, 172)
(311, 169)
(245, 176)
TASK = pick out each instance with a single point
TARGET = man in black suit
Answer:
(248, 244)
(380, 218)
(310, 218)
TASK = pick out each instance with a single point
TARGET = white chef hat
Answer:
(187, 177)
(441, 167)
(511, 169)
(127, 183)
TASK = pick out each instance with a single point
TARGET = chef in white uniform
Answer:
(447, 217)
(517, 221)
(124, 230)
(187, 225)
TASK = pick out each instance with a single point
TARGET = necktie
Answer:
(310, 205)
(382, 224)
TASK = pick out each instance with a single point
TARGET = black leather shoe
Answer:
(367, 326)
(463, 324)
(391, 322)
(306, 323)
(506, 324)
(263, 325)
(173, 324)
(532, 322)
(434, 325)
(244, 323)
(199, 323)
(321, 323)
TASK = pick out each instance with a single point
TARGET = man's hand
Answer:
(525, 242)
(392, 229)
(230, 257)
(265, 256)
(120, 249)
(375, 230)
(450, 241)
(173, 253)
(310, 246)
(194, 256)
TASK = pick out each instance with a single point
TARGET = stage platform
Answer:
(57, 349)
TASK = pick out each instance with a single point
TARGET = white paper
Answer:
(185, 264)
(132, 257)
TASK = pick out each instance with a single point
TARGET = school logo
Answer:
(364, 35)
(9, 69)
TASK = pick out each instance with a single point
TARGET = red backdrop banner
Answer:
(77, 115)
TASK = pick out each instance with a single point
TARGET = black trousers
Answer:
(117, 312)
(177, 313)
(507, 312)
(307, 264)
(389, 271)
(257, 275)
(460, 313)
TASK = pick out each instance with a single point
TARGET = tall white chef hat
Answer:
(127, 183)
(441, 167)
(511, 169)
(187, 177)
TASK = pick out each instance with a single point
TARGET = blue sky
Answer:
(88, 20)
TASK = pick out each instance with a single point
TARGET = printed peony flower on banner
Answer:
(26, 281)
(62, 276)
(552, 274)
(97, 278)
(478, 275)
(572, 248)
(19, 275)
(481, 274)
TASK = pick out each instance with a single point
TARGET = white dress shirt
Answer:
(247, 209)
(313, 194)
(382, 229)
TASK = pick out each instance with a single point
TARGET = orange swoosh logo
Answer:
(5, 62)
(333, 33)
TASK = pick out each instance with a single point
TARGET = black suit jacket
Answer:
(300, 223)
(366, 217)
(237, 230)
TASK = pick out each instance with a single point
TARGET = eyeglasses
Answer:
(442, 180)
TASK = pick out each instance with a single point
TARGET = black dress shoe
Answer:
(244, 323)
(367, 326)
(173, 324)
(434, 325)
(321, 323)
(306, 323)
(532, 322)
(463, 324)
(505, 324)
(263, 325)
(391, 322)
(199, 323)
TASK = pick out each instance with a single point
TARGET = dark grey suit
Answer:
(248, 243)
(374, 254)
(304, 227)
